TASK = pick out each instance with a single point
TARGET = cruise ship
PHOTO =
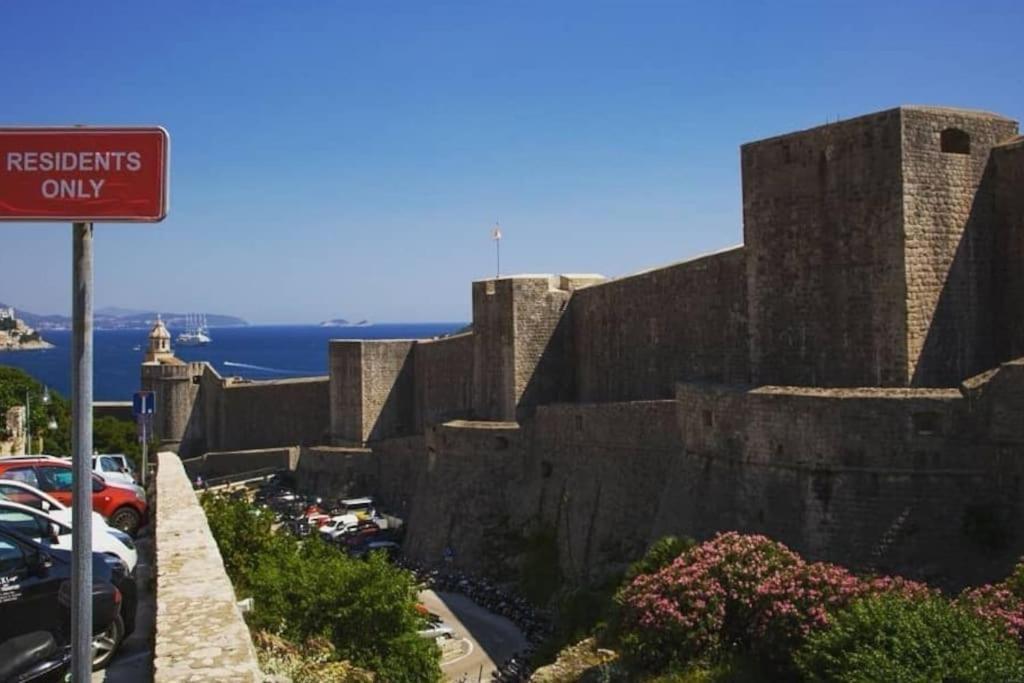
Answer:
(196, 332)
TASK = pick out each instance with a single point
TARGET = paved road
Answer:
(134, 661)
(482, 639)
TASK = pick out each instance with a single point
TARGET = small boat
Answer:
(196, 332)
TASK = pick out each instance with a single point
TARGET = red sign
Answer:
(83, 174)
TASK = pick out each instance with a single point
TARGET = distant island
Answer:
(341, 322)
(113, 318)
(15, 335)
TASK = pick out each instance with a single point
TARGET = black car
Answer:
(35, 590)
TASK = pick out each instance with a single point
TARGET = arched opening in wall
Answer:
(708, 418)
(955, 141)
(546, 468)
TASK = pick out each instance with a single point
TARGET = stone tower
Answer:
(522, 343)
(869, 249)
(170, 379)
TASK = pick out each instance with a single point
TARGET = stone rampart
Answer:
(225, 463)
(372, 390)
(283, 412)
(443, 379)
(635, 336)
(901, 481)
(921, 482)
(200, 634)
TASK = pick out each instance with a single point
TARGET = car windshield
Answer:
(55, 478)
(22, 522)
(25, 474)
(19, 495)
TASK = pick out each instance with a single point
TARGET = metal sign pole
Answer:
(81, 450)
(145, 438)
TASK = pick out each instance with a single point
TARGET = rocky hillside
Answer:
(15, 335)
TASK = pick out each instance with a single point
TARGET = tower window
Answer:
(955, 141)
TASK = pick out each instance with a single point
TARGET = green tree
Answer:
(110, 435)
(365, 608)
(15, 384)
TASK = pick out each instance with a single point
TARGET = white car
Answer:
(50, 531)
(17, 491)
(438, 630)
(114, 468)
(333, 528)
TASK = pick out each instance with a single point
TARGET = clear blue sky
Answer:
(348, 159)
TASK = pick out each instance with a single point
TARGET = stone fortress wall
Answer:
(844, 381)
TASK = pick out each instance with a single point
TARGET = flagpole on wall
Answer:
(496, 236)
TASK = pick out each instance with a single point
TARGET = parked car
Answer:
(390, 548)
(360, 507)
(36, 594)
(123, 505)
(52, 532)
(438, 630)
(114, 467)
(333, 528)
(21, 492)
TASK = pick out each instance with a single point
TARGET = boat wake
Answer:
(277, 371)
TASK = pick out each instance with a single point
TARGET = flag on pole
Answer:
(496, 232)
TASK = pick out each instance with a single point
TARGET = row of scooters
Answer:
(535, 624)
(35, 586)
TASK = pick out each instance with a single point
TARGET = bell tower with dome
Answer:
(159, 344)
(171, 381)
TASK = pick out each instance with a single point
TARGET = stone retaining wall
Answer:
(200, 635)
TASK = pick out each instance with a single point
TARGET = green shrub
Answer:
(903, 640)
(309, 590)
(659, 555)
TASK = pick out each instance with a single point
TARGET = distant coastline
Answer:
(112, 318)
(341, 322)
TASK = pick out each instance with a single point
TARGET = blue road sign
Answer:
(143, 403)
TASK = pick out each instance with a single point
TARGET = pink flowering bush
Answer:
(700, 601)
(742, 591)
(801, 599)
(997, 605)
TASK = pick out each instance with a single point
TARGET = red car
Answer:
(123, 505)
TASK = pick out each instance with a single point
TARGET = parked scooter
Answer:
(33, 657)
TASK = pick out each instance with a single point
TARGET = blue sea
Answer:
(256, 352)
